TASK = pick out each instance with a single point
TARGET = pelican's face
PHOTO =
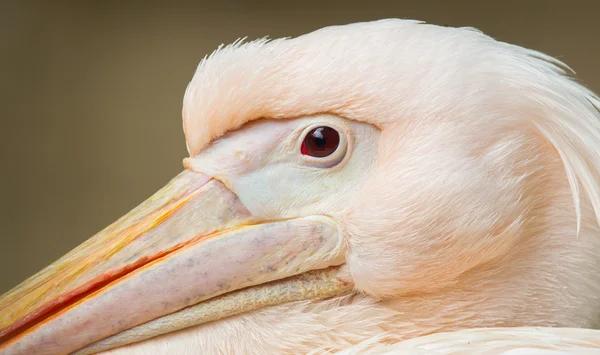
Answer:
(393, 159)
(261, 204)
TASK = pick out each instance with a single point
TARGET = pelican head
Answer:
(389, 177)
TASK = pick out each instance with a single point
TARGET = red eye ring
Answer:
(320, 142)
(303, 149)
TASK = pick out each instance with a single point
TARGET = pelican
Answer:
(386, 187)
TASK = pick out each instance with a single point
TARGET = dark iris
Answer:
(320, 142)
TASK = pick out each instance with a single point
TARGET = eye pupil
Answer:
(321, 142)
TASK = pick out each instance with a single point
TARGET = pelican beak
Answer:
(192, 243)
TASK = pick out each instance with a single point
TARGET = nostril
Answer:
(241, 155)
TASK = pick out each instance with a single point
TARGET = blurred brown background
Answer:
(91, 94)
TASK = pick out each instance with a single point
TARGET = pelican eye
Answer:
(320, 142)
